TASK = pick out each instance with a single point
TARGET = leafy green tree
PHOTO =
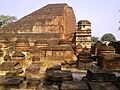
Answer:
(94, 39)
(6, 19)
(108, 37)
(0, 23)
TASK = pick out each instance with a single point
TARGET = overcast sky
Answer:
(103, 14)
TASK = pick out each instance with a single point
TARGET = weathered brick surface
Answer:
(55, 18)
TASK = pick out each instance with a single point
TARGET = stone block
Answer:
(102, 86)
(12, 82)
(47, 87)
(100, 75)
(32, 69)
(74, 85)
(33, 82)
(11, 74)
(56, 67)
(59, 75)
(84, 63)
(8, 65)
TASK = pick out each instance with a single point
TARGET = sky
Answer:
(104, 15)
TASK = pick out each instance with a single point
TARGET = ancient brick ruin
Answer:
(52, 18)
(46, 51)
(45, 33)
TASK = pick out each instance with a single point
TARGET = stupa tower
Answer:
(83, 34)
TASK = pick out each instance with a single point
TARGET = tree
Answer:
(94, 39)
(5, 20)
(108, 37)
(0, 23)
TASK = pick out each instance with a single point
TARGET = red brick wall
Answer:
(70, 20)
